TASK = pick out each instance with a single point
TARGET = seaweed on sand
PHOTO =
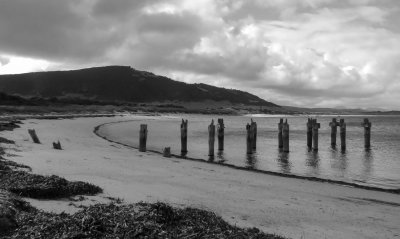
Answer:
(37, 186)
(9, 125)
(6, 141)
(9, 206)
(141, 220)
(10, 165)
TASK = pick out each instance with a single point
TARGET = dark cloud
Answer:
(333, 51)
(52, 30)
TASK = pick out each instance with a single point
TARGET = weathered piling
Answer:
(309, 133)
(167, 152)
(315, 127)
(184, 126)
(220, 130)
(285, 136)
(142, 137)
(211, 139)
(57, 145)
(367, 133)
(253, 126)
(249, 138)
(33, 135)
(342, 126)
(334, 124)
(280, 140)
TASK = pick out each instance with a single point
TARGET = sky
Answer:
(307, 53)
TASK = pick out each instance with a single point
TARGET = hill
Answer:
(119, 84)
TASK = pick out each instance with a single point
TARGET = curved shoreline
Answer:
(315, 179)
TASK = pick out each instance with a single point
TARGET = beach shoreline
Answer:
(285, 206)
(255, 170)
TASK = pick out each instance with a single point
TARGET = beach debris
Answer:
(140, 220)
(367, 133)
(7, 165)
(167, 152)
(334, 124)
(220, 134)
(10, 204)
(9, 125)
(184, 126)
(280, 140)
(285, 136)
(57, 145)
(6, 141)
(34, 136)
(142, 137)
(211, 139)
(38, 186)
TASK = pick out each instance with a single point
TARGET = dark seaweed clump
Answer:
(142, 220)
(37, 186)
(9, 125)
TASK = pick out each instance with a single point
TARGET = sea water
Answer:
(379, 166)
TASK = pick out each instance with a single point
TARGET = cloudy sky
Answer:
(312, 53)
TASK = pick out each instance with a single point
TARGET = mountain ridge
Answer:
(121, 84)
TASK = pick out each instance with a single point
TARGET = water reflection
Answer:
(312, 162)
(367, 163)
(283, 162)
(251, 160)
(220, 156)
(339, 160)
(183, 154)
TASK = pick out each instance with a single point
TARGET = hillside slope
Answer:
(119, 83)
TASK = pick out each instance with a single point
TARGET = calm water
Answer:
(380, 166)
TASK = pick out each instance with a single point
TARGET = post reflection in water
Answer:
(283, 162)
(312, 162)
(251, 160)
(367, 162)
(220, 156)
(339, 161)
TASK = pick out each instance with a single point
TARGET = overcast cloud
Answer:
(311, 53)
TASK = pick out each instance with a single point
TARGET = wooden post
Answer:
(309, 133)
(254, 134)
(211, 139)
(167, 152)
(143, 138)
(220, 130)
(57, 145)
(342, 125)
(249, 144)
(184, 126)
(334, 124)
(367, 133)
(280, 140)
(33, 135)
(285, 136)
(315, 127)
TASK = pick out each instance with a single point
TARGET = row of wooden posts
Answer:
(251, 138)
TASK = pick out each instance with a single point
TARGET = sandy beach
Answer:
(289, 207)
